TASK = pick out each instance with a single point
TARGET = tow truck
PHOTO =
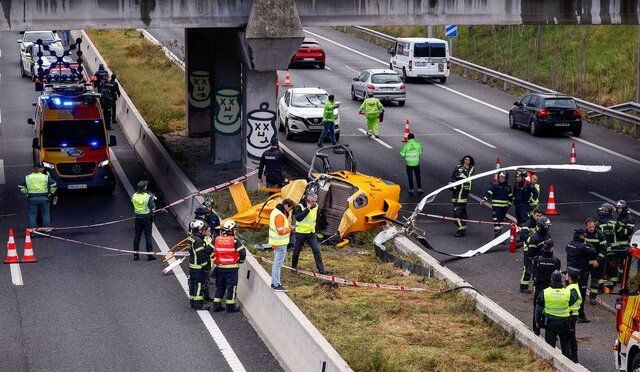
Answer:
(626, 348)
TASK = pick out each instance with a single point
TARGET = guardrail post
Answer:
(485, 77)
(464, 72)
(636, 132)
(609, 122)
(505, 86)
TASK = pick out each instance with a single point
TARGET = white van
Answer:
(418, 57)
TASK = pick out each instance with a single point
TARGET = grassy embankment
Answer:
(374, 330)
(596, 62)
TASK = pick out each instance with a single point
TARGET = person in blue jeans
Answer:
(279, 237)
(328, 118)
(39, 187)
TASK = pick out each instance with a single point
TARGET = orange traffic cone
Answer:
(28, 248)
(12, 252)
(406, 131)
(512, 238)
(495, 176)
(551, 203)
(572, 158)
(287, 80)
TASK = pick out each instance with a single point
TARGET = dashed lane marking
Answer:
(377, 139)
(352, 69)
(464, 133)
(328, 68)
(205, 316)
(2, 179)
(625, 157)
(16, 274)
(612, 201)
(294, 155)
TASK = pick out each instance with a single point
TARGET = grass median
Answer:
(373, 329)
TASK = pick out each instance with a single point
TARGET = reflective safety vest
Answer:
(37, 184)
(329, 112)
(411, 152)
(308, 224)
(534, 202)
(576, 305)
(371, 107)
(556, 302)
(225, 254)
(141, 203)
(275, 239)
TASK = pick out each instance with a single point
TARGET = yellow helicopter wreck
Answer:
(348, 201)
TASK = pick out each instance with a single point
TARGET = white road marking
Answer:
(612, 201)
(377, 139)
(0, 115)
(464, 133)
(352, 69)
(2, 179)
(328, 68)
(621, 156)
(207, 319)
(0, 53)
(294, 155)
(16, 274)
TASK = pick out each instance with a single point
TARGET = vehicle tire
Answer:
(391, 66)
(512, 122)
(576, 132)
(22, 74)
(280, 125)
(364, 95)
(33, 75)
(353, 95)
(109, 189)
(321, 66)
(287, 132)
(405, 79)
(401, 103)
(442, 80)
(534, 129)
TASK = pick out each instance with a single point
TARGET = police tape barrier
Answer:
(219, 187)
(106, 248)
(337, 280)
(439, 217)
(471, 253)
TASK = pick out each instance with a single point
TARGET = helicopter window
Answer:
(360, 201)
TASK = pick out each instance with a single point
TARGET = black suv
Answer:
(546, 112)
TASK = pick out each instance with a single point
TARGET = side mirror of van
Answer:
(30, 121)
(112, 141)
(517, 104)
(355, 78)
(391, 51)
(33, 104)
(35, 144)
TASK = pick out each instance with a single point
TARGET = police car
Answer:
(300, 111)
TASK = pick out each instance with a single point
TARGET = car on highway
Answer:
(385, 85)
(418, 57)
(541, 113)
(300, 111)
(30, 38)
(29, 60)
(309, 54)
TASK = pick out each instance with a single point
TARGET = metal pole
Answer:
(451, 46)
(638, 72)
(429, 30)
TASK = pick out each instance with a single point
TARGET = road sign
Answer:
(451, 30)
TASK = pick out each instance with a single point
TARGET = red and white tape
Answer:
(353, 283)
(446, 218)
(219, 187)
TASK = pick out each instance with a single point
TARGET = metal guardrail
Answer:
(508, 79)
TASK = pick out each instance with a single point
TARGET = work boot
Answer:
(192, 303)
(584, 319)
(319, 145)
(460, 234)
(592, 299)
(420, 191)
(217, 307)
(201, 307)
(525, 289)
(151, 258)
(324, 272)
(232, 308)
(411, 192)
(136, 257)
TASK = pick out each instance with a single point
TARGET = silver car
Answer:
(385, 85)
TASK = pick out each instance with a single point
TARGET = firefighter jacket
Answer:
(543, 266)
(229, 252)
(607, 225)
(623, 230)
(500, 195)
(598, 241)
(527, 229)
(198, 252)
(524, 194)
(579, 254)
(460, 193)
(535, 243)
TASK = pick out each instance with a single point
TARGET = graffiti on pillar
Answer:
(261, 125)
(200, 89)
(227, 115)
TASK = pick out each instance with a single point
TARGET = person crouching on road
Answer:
(460, 194)
(39, 187)
(552, 313)
(372, 109)
(306, 214)
(500, 196)
(199, 253)
(411, 152)
(228, 254)
(574, 309)
(143, 206)
(328, 121)
(543, 266)
(279, 237)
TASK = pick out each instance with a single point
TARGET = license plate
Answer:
(77, 186)
(562, 124)
(308, 59)
(419, 64)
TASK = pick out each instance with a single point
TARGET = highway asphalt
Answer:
(465, 117)
(82, 308)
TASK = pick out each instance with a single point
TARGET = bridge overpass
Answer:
(66, 14)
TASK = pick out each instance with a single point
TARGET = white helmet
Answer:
(229, 225)
(197, 226)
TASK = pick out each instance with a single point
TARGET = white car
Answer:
(30, 38)
(29, 62)
(300, 111)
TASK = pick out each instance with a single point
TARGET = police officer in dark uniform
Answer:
(597, 239)
(533, 248)
(106, 101)
(271, 165)
(101, 76)
(524, 194)
(208, 215)
(199, 253)
(500, 196)
(114, 90)
(581, 256)
(460, 193)
(543, 266)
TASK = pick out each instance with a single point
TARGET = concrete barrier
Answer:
(286, 331)
(492, 310)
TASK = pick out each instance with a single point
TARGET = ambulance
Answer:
(70, 138)
(626, 347)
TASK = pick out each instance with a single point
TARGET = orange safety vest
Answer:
(225, 253)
